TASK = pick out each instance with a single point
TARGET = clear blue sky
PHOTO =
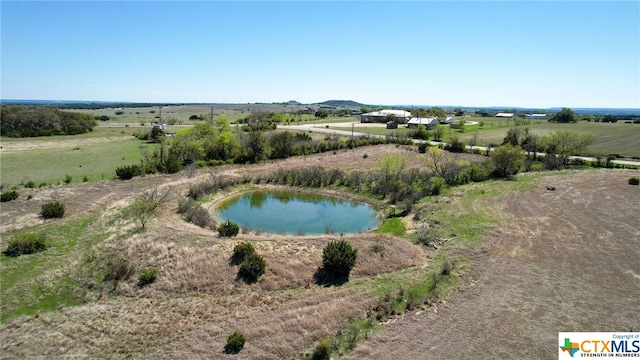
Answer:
(529, 54)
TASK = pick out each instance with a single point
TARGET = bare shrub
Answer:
(213, 184)
(117, 268)
(428, 235)
(196, 214)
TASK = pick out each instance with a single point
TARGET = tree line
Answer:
(216, 143)
(19, 121)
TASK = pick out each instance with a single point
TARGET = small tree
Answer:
(507, 160)
(252, 267)
(127, 172)
(146, 205)
(9, 196)
(52, 210)
(565, 115)
(322, 114)
(25, 243)
(339, 257)
(322, 351)
(235, 343)
(438, 133)
(241, 251)
(228, 229)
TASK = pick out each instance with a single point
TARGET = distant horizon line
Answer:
(505, 107)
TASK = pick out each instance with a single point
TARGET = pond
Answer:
(287, 212)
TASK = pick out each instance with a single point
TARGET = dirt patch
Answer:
(561, 260)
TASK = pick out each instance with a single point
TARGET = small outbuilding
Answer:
(505, 115)
(536, 116)
(430, 122)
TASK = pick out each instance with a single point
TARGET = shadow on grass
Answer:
(326, 279)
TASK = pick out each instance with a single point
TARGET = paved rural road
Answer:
(325, 128)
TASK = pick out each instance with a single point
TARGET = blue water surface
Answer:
(284, 212)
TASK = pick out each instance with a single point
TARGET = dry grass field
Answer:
(548, 261)
(563, 260)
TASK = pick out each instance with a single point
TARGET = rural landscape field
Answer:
(526, 256)
(319, 180)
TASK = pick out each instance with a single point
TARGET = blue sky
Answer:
(498, 53)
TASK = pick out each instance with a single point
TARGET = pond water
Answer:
(286, 212)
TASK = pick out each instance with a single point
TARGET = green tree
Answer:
(438, 133)
(281, 145)
(392, 165)
(278, 118)
(565, 143)
(252, 267)
(565, 115)
(157, 135)
(339, 257)
(322, 113)
(516, 136)
(507, 160)
(438, 113)
(419, 113)
(257, 148)
(444, 166)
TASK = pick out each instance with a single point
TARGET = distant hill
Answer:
(342, 103)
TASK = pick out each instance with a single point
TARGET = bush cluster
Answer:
(52, 210)
(196, 214)
(338, 258)
(235, 343)
(634, 181)
(322, 351)
(251, 268)
(25, 243)
(241, 251)
(9, 195)
(252, 265)
(127, 172)
(213, 184)
(117, 268)
(228, 229)
(147, 276)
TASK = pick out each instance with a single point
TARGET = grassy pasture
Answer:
(233, 113)
(614, 138)
(49, 159)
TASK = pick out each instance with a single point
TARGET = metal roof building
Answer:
(429, 122)
(401, 116)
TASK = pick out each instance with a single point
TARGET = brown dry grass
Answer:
(197, 301)
(563, 260)
(533, 276)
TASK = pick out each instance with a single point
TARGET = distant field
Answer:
(49, 159)
(181, 113)
(615, 138)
